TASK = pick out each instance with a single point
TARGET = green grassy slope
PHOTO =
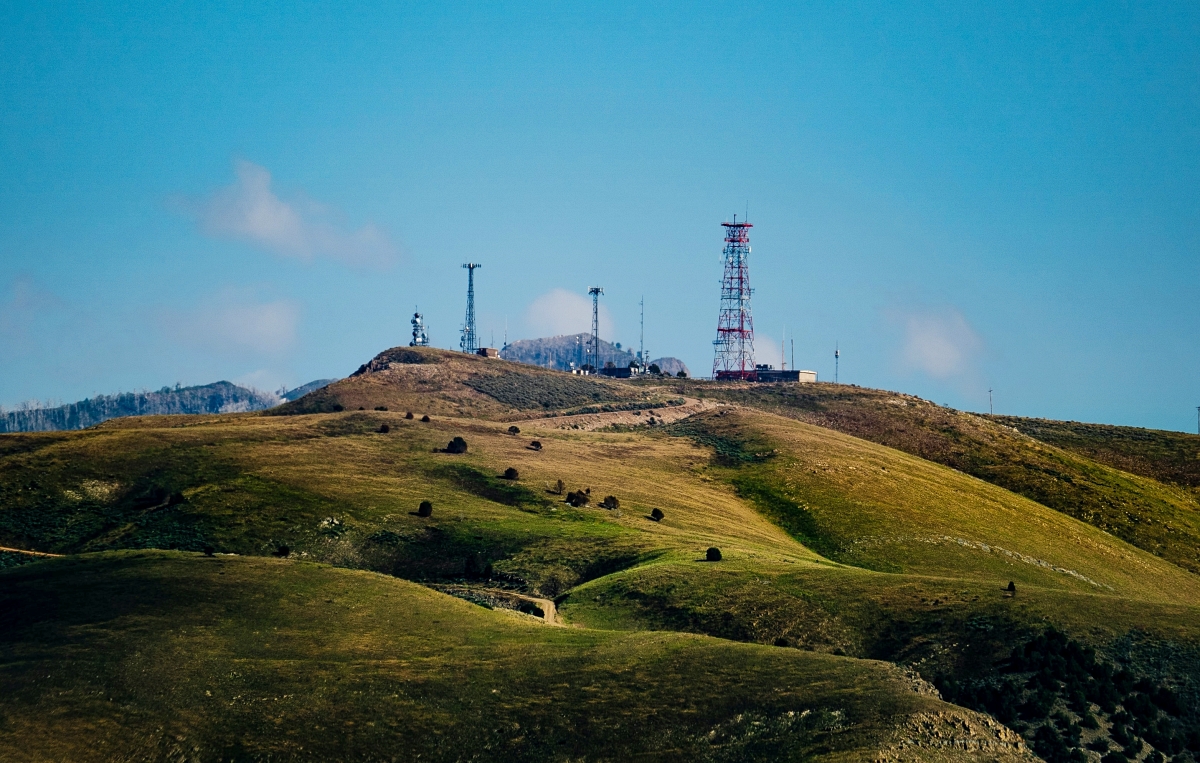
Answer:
(1170, 457)
(832, 543)
(158, 655)
(1163, 519)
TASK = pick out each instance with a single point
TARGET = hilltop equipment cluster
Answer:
(733, 355)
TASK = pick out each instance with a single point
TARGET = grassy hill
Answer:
(1160, 517)
(875, 542)
(1170, 457)
(155, 655)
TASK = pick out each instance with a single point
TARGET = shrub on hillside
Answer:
(425, 418)
(713, 554)
(510, 473)
(657, 515)
(514, 430)
(381, 407)
(535, 445)
(610, 502)
(408, 414)
(282, 551)
(384, 429)
(682, 374)
(654, 369)
(209, 550)
(577, 499)
(559, 487)
(425, 509)
(457, 445)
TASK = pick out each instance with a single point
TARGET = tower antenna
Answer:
(419, 337)
(837, 355)
(794, 352)
(734, 345)
(595, 291)
(642, 333)
(470, 340)
(991, 410)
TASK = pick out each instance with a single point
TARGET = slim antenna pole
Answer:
(1198, 419)
(642, 333)
(991, 410)
(793, 352)
(837, 354)
(595, 291)
(783, 351)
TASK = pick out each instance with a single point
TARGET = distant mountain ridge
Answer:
(559, 352)
(219, 397)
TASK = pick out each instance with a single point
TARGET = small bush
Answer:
(654, 369)
(381, 407)
(425, 418)
(1012, 587)
(713, 554)
(559, 487)
(337, 408)
(577, 499)
(657, 515)
(510, 473)
(425, 509)
(610, 502)
(457, 445)
(408, 414)
(209, 550)
(781, 641)
(514, 430)
(384, 429)
(535, 445)
(282, 551)
(682, 374)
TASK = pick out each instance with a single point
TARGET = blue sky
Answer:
(962, 196)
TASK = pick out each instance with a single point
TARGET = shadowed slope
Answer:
(152, 655)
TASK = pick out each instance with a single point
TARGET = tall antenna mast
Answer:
(470, 341)
(783, 352)
(1198, 419)
(837, 354)
(991, 410)
(595, 291)
(642, 333)
(734, 345)
(793, 352)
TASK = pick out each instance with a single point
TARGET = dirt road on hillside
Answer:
(27, 552)
(646, 416)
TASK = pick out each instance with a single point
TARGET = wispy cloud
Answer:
(25, 303)
(559, 312)
(235, 324)
(249, 210)
(939, 343)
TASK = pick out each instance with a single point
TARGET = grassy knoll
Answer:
(1170, 457)
(1163, 519)
(425, 380)
(161, 655)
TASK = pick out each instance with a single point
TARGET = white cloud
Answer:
(940, 343)
(19, 312)
(559, 312)
(248, 210)
(229, 323)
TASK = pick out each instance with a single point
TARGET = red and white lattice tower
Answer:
(735, 328)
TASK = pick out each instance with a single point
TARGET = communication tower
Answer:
(837, 356)
(470, 340)
(594, 351)
(420, 338)
(734, 357)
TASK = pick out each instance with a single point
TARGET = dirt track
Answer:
(24, 551)
(646, 416)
